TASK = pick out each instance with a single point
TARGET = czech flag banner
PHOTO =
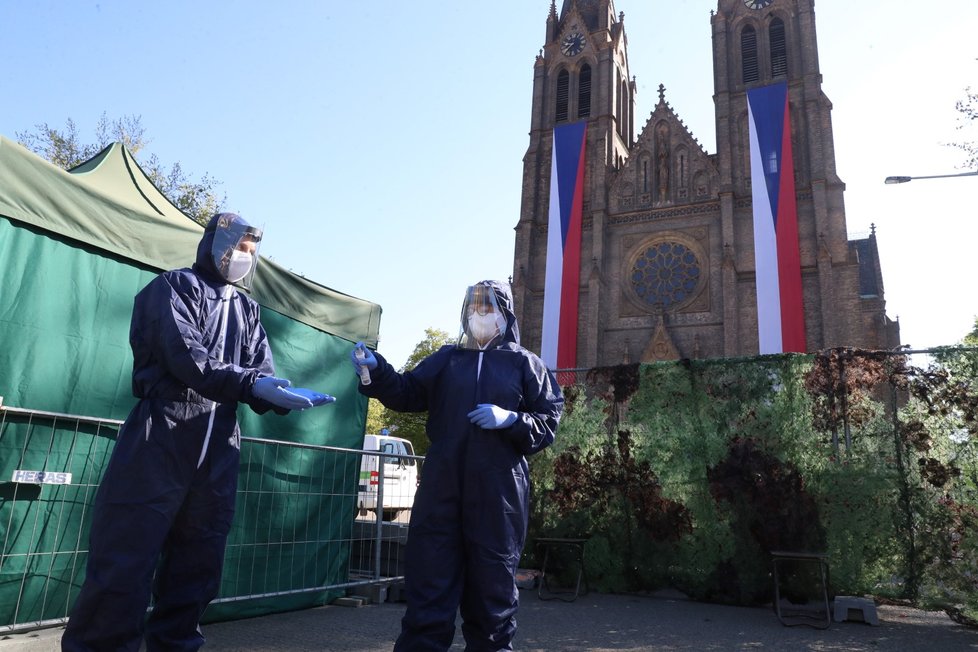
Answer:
(558, 348)
(780, 309)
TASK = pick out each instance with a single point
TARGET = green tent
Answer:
(75, 248)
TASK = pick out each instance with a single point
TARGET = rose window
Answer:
(665, 275)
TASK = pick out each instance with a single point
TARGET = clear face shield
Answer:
(235, 250)
(483, 323)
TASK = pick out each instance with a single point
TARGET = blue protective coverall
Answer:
(469, 519)
(167, 496)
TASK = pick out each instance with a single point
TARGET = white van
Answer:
(400, 476)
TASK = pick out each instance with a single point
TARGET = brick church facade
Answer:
(655, 201)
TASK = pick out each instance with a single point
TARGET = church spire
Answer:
(596, 13)
(552, 23)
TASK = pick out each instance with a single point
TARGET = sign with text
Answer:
(40, 477)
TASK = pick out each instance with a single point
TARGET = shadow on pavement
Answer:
(602, 623)
(593, 623)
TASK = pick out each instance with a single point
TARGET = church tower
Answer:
(667, 251)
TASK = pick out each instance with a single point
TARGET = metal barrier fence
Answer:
(310, 520)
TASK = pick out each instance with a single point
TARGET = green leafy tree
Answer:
(197, 198)
(971, 339)
(410, 425)
(375, 416)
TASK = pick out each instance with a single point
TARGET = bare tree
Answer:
(968, 108)
(197, 198)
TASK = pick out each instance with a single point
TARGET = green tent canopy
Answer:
(108, 202)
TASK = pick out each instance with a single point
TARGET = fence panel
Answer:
(299, 538)
(50, 466)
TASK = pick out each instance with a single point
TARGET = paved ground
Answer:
(594, 623)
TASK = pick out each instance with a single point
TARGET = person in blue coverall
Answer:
(166, 499)
(490, 404)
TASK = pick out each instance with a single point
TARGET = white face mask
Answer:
(238, 266)
(485, 327)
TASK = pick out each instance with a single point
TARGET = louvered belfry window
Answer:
(779, 49)
(563, 89)
(748, 54)
(584, 92)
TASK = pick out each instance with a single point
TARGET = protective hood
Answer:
(218, 249)
(500, 297)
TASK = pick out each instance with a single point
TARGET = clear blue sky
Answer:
(380, 143)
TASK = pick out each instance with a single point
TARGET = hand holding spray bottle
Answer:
(364, 372)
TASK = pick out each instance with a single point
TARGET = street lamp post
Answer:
(933, 176)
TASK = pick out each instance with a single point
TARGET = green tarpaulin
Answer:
(75, 247)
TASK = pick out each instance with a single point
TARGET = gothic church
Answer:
(667, 251)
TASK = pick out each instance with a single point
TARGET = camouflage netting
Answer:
(687, 475)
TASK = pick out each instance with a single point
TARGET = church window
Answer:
(563, 91)
(618, 103)
(666, 274)
(779, 49)
(748, 54)
(584, 92)
(645, 176)
(625, 117)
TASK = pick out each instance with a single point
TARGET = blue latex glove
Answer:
(491, 417)
(315, 397)
(275, 391)
(369, 360)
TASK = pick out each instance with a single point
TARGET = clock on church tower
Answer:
(758, 4)
(572, 44)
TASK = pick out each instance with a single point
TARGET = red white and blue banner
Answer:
(558, 347)
(780, 308)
